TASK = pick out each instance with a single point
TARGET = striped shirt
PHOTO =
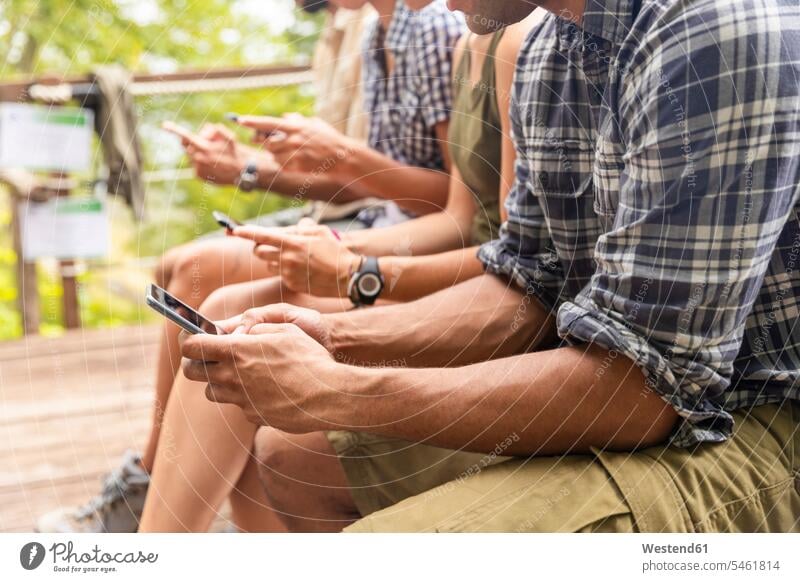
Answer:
(656, 207)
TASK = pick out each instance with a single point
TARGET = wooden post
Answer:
(69, 279)
(27, 287)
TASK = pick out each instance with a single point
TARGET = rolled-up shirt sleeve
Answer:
(698, 211)
(524, 254)
(524, 251)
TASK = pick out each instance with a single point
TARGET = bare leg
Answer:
(192, 272)
(250, 509)
(304, 481)
(205, 447)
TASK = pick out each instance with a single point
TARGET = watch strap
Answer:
(368, 267)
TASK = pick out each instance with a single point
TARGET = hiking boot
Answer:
(116, 509)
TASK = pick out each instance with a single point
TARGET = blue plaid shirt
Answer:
(405, 107)
(656, 198)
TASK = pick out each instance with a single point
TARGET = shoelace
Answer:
(115, 485)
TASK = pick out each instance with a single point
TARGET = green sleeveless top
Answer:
(475, 138)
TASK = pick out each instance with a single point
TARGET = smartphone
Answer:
(178, 312)
(224, 220)
(185, 134)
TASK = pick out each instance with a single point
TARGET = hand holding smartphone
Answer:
(178, 312)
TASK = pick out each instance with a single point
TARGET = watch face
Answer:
(247, 183)
(369, 284)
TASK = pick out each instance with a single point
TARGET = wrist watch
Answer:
(248, 179)
(366, 283)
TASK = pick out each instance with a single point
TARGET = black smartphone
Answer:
(224, 220)
(178, 312)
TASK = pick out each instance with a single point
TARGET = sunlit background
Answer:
(40, 37)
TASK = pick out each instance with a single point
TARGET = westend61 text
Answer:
(675, 549)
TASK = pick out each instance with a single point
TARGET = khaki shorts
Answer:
(750, 483)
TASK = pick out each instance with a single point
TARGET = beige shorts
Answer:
(750, 483)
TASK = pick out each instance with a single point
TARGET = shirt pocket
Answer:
(560, 169)
(561, 178)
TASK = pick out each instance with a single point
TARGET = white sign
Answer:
(64, 228)
(38, 137)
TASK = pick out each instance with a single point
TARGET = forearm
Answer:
(418, 190)
(485, 317)
(426, 235)
(309, 187)
(409, 278)
(545, 403)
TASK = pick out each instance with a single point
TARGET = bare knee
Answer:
(273, 456)
(274, 460)
(194, 271)
(166, 266)
(261, 443)
(303, 481)
(221, 304)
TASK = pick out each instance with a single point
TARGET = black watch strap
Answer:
(366, 284)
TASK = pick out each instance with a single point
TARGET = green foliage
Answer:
(71, 37)
(52, 36)
(185, 206)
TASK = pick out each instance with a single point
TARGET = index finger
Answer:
(216, 132)
(231, 325)
(185, 135)
(208, 347)
(268, 124)
(267, 236)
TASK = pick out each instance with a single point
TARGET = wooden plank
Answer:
(26, 413)
(81, 341)
(20, 509)
(69, 407)
(79, 446)
(18, 90)
(79, 364)
(45, 401)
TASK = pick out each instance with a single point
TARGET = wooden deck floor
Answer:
(69, 407)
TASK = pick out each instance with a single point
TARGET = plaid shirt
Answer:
(405, 107)
(656, 197)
